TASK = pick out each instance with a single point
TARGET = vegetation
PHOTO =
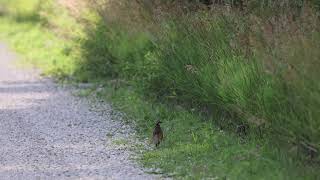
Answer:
(238, 95)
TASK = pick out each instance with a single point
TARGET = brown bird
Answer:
(157, 134)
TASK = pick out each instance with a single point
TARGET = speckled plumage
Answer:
(157, 134)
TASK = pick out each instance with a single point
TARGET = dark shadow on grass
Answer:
(97, 61)
(22, 17)
(27, 17)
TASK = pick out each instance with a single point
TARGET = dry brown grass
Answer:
(74, 7)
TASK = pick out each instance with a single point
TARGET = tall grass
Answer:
(205, 70)
(246, 66)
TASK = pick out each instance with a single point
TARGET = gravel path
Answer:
(46, 133)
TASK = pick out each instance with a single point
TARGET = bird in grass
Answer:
(157, 134)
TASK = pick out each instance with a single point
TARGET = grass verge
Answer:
(195, 148)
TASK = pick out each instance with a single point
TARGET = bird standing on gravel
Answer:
(157, 134)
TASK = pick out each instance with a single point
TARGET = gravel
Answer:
(47, 133)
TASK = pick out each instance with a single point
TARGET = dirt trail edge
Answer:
(46, 133)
